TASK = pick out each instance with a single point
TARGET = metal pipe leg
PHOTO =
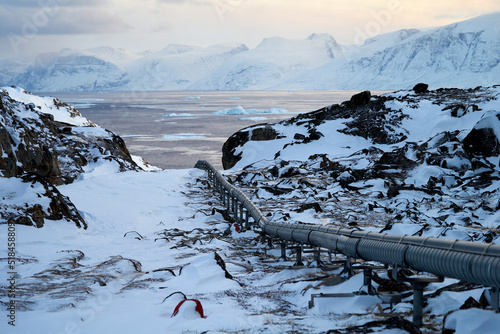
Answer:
(494, 294)
(298, 261)
(241, 219)
(247, 222)
(270, 243)
(283, 250)
(367, 282)
(418, 301)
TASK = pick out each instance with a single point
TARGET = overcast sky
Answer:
(28, 27)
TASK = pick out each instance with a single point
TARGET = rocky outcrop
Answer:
(34, 142)
(369, 118)
(253, 133)
(59, 206)
(422, 163)
(46, 143)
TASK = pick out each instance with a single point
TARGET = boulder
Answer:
(420, 88)
(252, 133)
(483, 139)
(360, 99)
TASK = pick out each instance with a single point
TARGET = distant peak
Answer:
(177, 48)
(324, 36)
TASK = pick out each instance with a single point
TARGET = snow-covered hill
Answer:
(44, 143)
(273, 62)
(427, 162)
(463, 54)
(161, 254)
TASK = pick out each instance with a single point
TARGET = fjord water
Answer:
(174, 129)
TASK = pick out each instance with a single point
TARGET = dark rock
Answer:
(222, 264)
(274, 171)
(59, 207)
(470, 303)
(42, 151)
(395, 159)
(420, 88)
(360, 99)
(299, 136)
(313, 135)
(457, 110)
(252, 133)
(307, 206)
(485, 299)
(482, 139)
(277, 191)
(379, 326)
(390, 285)
(51, 149)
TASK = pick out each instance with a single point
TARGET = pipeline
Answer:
(473, 262)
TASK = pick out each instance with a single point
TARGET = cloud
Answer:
(51, 3)
(183, 1)
(60, 21)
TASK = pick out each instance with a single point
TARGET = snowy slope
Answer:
(71, 70)
(177, 67)
(415, 163)
(155, 239)
(463, 54)
(274, 61)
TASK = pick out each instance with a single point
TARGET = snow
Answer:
(239, 110)
(47, 106)
(257, 118)
(473, 321)
(178, 115)
(462, 54)
(153, 234)
(183, 136)
(126, 213)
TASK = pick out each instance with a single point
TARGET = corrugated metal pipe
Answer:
(473, 262)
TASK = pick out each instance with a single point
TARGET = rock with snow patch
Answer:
(252, 133)
(46, 142)
(397, 323)
(483, 138)
(50, 138)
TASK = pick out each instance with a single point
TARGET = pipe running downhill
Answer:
(473, 262)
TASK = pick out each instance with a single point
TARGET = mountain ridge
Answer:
(462, 54)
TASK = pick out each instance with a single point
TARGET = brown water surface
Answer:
(175, 129)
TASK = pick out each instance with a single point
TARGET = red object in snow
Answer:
(237, 228)
(198, 307)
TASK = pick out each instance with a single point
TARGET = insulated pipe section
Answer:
(469, 261)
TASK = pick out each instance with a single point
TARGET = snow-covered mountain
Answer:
(71, 70)
(177, 67)
(274, 61)
(463, 54)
